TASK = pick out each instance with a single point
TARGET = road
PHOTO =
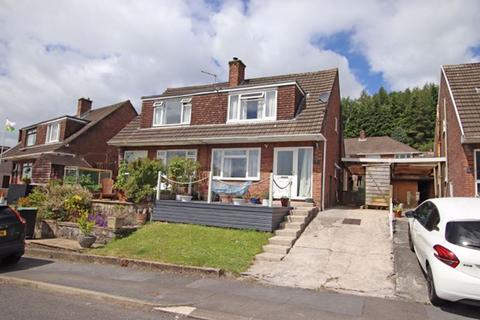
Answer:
(64, 290)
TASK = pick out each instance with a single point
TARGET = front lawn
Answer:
(185, 244)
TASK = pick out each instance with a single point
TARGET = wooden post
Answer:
(210, 178)
(159, 182)
(270, 193)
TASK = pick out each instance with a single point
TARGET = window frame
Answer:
(160, 106)
(28, 134)
(251, 93)
(49, 131)
(477, 179)
(222, 177)
(177, 150)
(24, 166)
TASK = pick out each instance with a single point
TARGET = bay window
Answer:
(251, 106)
(236, 164)
(172, 111)
(53, 132)
(166, 155)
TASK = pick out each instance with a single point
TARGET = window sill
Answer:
(234, 179)
(170, 125)
(250, 121)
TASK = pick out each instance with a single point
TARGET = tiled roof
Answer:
(308, 122)
(94, 116)
(464, 79)
(376, 145)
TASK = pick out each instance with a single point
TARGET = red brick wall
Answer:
(460, 160)
(41, 171)
(334, 145)
(92, 145)
(286, 102)
(401, 188)
(69, 127)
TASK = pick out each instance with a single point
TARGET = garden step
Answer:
(267, 256)
(282, 241)
(273, 248)
(295, 219)
(287, 233)
(299, 212)
(301, 204)
(292, 225)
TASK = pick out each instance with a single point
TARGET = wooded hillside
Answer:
(407, 116)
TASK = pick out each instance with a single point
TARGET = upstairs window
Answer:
(31, 137)
(172, 111)
(53, 132)
(403, 155)
(261, 105)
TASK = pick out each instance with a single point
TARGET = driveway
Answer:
(333, 254)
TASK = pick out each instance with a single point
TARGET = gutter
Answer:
(33, 155)
(465, 140)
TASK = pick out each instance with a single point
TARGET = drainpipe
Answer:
(324, 160)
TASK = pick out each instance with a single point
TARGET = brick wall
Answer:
(401, 189)
(69, 127)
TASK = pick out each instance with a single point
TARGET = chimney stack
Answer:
(84, 105)
(362, 136)
(236, 72)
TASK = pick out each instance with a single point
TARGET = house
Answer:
(5, 169)
(381, 168)
(44, 149)
(457, 135)
(244, 129)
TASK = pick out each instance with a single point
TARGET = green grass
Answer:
(193, 245)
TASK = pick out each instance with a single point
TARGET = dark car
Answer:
(12, 235)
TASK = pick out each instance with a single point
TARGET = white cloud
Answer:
(115, 50)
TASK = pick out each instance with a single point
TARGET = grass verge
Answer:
(229, 249)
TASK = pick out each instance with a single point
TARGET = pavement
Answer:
(410, 280)
(352, 258)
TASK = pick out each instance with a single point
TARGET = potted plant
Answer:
(285, 201)
(253, 198)
(87, 239)
(182, 171)
(225, 198)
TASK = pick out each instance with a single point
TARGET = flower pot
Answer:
(86, 241)
(265, 202)
(184, 198)
(115, 223)
(284, 202)
(225, 198)
(141, 217)
(178, 197)
(255, 200)
(398, 214)
(238, 201)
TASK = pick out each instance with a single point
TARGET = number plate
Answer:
(3, 233)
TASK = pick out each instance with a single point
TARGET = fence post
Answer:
(390, 213)
(159, 182)
(289, 190)
(189, 189)
(210, 177)
(270, 193)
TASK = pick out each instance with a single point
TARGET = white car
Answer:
(445, 235)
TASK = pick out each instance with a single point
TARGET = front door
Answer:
(292, 173)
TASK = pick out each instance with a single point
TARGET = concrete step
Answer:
(295, 219)
(297, 204)
(288, 225)
(268, 256)
(299, 212)
(282, 241)
(274, 248)
(287, 233)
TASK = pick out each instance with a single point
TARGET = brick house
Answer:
(244, 129)
(457, 134)
(44, 149)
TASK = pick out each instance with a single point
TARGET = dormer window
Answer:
(31, 137)
(53, 132)
(172, 111)
(252, 106)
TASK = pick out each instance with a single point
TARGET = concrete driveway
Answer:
(333, 254)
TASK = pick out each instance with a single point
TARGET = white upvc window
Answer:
(403, 155)
(166, 155)
(477, 171)
(31, 137)
(27, 170)
(132, 155)
(236, 164)
(252, 106)
(53, 132)
(172, 112)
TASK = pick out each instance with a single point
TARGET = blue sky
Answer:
(115, 50)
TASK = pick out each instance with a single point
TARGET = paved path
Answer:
(343, 257)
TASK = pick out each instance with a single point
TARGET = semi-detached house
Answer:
(245, 129)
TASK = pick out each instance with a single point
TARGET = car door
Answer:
(427, 232)
(418, 231)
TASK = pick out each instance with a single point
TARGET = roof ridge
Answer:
(461, 65)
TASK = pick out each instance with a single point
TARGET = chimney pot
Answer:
(236, 74)
(84, 105)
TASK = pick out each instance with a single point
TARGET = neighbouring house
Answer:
(457, 135)
(381, 168)
(5, 171)
(46, 148)
(244, 129)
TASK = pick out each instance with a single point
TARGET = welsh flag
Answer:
(9, 126)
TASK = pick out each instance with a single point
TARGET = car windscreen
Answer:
(464, 233)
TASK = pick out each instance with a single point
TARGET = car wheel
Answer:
(13, 259)
(432, 293)
(410, 241)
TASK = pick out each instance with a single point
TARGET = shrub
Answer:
(182, 170)
(64, 202)
(85, 181)
(85, 225)
(141, 179)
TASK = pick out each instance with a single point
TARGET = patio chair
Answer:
(107, 189)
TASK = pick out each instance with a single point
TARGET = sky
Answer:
(54, 52)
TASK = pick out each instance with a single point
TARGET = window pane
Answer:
(253, 170)
(175, 154)
(187, 110)
(233, 112)
(251, 109)
(463, 233)
(304, 176)
(173, 109)
(158, 115)
(270, 104)
(285, 163)
(235, 167)
(235, 152)
(217, 162)
(135, 155)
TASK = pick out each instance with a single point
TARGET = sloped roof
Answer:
(376, 145)
(93, 117)
(308, 122)
(463, 80)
